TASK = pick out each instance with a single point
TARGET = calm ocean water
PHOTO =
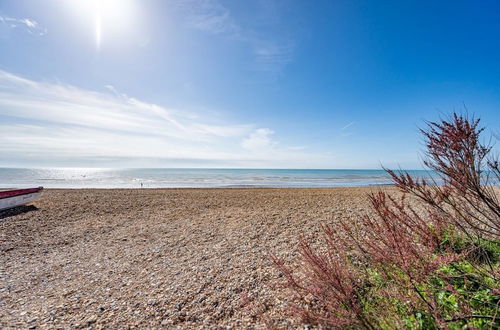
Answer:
(169, 178)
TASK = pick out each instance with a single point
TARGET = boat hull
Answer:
(18, 199)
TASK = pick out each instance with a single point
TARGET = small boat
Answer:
(18, 197)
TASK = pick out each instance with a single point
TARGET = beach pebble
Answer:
(152, 258)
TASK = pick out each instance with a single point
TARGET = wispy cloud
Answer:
(259, 140)
(348, 125)
(297, 147)
(57, 103)
(51, 122)
(209, 16)
(272, 57)
(27, 24)
(345, 131)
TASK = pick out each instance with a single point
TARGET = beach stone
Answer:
(151, 258)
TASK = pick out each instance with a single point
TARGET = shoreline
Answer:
(214, 187)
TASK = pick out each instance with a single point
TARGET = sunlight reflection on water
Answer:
(158, 178)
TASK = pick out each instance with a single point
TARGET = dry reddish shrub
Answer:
(434, 266)
(466, 197)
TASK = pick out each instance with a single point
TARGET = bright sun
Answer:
(108, 17)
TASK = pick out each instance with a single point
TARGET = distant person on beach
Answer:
(141, 184)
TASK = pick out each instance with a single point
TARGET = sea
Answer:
(192, 178)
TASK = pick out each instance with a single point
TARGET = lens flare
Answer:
(98, 31)
(110, 18)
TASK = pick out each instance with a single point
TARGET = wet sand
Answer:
(184, 258)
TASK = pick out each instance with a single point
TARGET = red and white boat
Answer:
(18, 197)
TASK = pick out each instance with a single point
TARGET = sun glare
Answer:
(109, 17)
(98, 30)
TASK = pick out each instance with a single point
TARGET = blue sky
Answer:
(209, 83)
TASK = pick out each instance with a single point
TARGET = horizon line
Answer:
(209, 168)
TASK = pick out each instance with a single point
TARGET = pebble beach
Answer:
(159, 258)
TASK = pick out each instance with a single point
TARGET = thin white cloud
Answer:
(348, 125)
(271, 57)
(68, 105)
(259, 140)
(27, 24)
(209, 16)
(345, 131)
(297, 147)
(51, 123)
